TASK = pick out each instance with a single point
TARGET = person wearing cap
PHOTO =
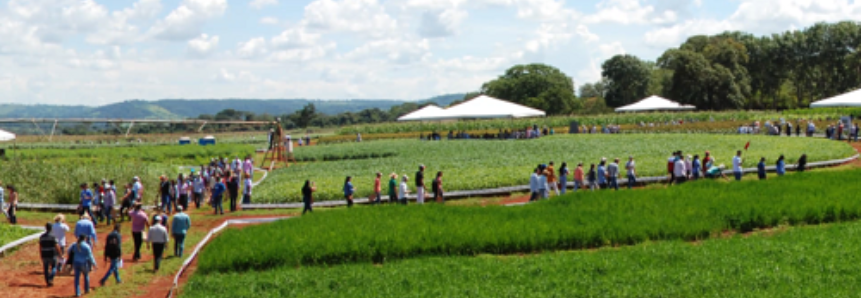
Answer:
(420, 185)
(137, 189)
(85, 227)
(59, 230)
(179, 228)
(405, 189)
(631, 169)
(393, 188)
(157, 239)
(140, 222)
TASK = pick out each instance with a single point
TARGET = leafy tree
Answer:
(628, 79)
(536, 85)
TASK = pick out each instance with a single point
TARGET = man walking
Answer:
(85, 227)
(680, 169)
(630, 167)
(140, 222)
(533, 185)
(378, 189)
(114, 252)
(49, 251)
(736, 166)
(420, 185)
(613, 174)
(156, 240)
(179, 228)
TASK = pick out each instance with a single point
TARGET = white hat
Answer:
(136, 178)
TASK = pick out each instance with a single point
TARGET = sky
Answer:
(92, 52)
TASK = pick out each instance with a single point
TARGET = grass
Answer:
(690, 212)
(9, 233)
(469, 165)
(801, 262)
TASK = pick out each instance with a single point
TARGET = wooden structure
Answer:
(279, 151)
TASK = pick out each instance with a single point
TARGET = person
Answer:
(179, 228)
(378, 188)
(157, 239)
(140, 222)
(856, 132)
(49, 250)
(715, 171)
(3, 201)
(217, 195)
(533, 184)
(542, 182)
(613, 174)
(248, 167)
(696, 167)
(81, 256)
(86, 201)
(602, 173)
(592, 177)
(126, 202)
(98, 202)
(680, 170)
(760, 168)
(232, 189)
(671, 162)
(183, 188)
(12, 211)
(736, 166)
(551, 179)
(420, 185)
(578, 176)
(59, 230)
(164, 193)
(688, 165)
(114, 252)
(393, 188)
(199, 186)
(563, 177)
(308, 196)
(246, 190)
(780, 168)
(801, 166)
(349, 190)
(437, 188)
(631, 168)
(85, 227)
(708, 158)
(109, 202)
(405, 189)
(161, 216)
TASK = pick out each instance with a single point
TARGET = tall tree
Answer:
(536, 85)
(628, 80)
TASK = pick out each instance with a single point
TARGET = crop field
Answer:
(584, 220)
(54, 175)
(478, 164)
(10, 233)
(804, 262)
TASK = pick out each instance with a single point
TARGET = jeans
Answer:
(631, 181)
(157, 252)
(89, 211)
(534, 196)
(82, 269)
(378, 198)
(197, 197)
(543, 193)
(737, 176)
(246, 199)
(563, 181)
(178, 244)
(49, 268)
(349, 199)
(307, 208)
(614, 182)
(138, 239)
(114, 269)
(578, 184)
(216, 204)
(13, 217)
(233, 196)
(165, 203)
(108, 210)
(183, 201)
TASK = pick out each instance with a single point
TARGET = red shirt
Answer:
(377, 187)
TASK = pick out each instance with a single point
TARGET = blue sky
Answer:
(95, 52)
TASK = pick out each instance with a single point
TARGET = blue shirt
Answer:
(85, 228)
(696, 166)
(760, 167)
(601, 178)
(218, 189)
(86, 198)
(83, 254)
(181, 224)
(348, 189)
(781, 167)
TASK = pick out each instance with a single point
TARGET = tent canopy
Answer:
(655, 103)
(851, 99)
(6, 136)
(423, 113)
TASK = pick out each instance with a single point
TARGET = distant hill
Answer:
(185, 108)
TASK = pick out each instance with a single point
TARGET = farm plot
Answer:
(581, 220)
(11, 233)
(478, 164)
(804, 262)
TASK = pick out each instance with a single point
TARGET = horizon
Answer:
(98, 52)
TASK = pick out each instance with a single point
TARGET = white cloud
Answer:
(260, 4)
(440, 23)
(269, 21)
(225, 76)
(365, 17)
(202, 46)
(294, 38)
(629, 12)
(186, 21)
(673, 36)
(393, 50)
(252, 48)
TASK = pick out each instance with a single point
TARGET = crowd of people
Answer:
(838, 131)
(545, 181)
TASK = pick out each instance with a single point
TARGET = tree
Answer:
(536, 85)
(597, 89)
(628, 79)
(303, 117)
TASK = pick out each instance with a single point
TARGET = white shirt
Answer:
(736, 164)
(680, 169)
(2, 197)
(199, 185)
(59, 231)
(137, 189)
(630, 167)
(157, 234)
(533, 182)
(404, 190)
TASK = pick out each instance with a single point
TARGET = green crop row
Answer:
(804, 262)
(168, 154)
(479, 164)
(577, 221)
(10, 233)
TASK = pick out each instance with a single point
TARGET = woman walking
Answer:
(13, 205)
(308, 196)
(563, 178)
(592, 178)
(81, 255)
(59, 231)
(578, 176)
(781, 166)
(349, 190)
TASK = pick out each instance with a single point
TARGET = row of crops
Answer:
(693, 211)
(9, 233)
(807, 262)
(614, 119)
(478, 164)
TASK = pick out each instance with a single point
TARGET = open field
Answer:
(694, 211)
(477, 164)
(801, 262)
(11, 233)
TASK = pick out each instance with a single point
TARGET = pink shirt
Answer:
(578, 174)
(139, 219)
(377, 185)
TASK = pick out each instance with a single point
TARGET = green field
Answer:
(802, 262)
(693, 211)
(478, 164)
(10, 233)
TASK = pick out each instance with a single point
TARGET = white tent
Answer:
(655, 103)
(423, 113)
(484, 107)
(6, 136)
(851, 99)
